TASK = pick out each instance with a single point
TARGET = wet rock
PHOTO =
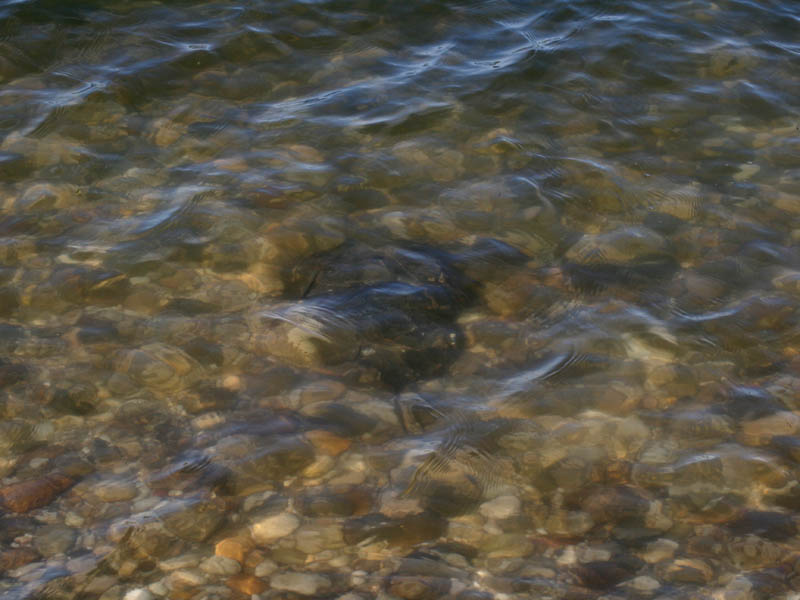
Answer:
(53, 540)
(267, 530)
(159, 366)
(234, 548)
(246, 584)
(11, 373)
(759, 431)
(220, 565)
(643, 583)
(615, 504)
(315, 538)
(686, 570)
(77, 399)
(306, 584)
(115, 491)
(507, 545)
(9, 301)
(194, 519)
(659, 550)
(502, 507)
(327, 443)
(183, 579)
(265, 467)
(334, 503)
(13, 558)
(340, 418)
(205, 352)
(408, 530)
(417, 588)
(35, 493)
(605, 574)
(769, 525)
(208, 398)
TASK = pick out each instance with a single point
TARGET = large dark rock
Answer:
(378, 315)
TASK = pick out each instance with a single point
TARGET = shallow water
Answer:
(399, 300)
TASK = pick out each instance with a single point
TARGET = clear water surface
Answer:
(389, 299)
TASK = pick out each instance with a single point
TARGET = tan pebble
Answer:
(246, 584)
(306, 153)
(234, 165)
(685, 570)
(115, 491)
(327, 442)
(232, 382)
(273, 528)
(186, 579)
(788, 202)
(780, 423)
(234, 548)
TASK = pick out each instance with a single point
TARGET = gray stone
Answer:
(267, 530)
(220, 565)
(306, 584)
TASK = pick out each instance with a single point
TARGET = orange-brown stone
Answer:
(233, 547)
(16, 557)
(327, 442)
(247, 584)
(34, 493)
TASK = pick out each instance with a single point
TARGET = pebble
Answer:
(265, 568)
(686, 570)
(138, 594)
(643, 583)
(659, 550)
(269, 529)
(316, 538)
(53, 540)
(186, 578)
(115, 491)
(502, 507)
(306, 584)
(234, 548)
(246, 584)
(220, 565)
(180, 562)
(327, 443)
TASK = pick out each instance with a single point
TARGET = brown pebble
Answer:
(16, 557)
(234, 548)
(34, 493)
(246, 584)
(327, 442)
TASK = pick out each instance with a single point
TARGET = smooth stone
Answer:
(138, 594)
(265, 568)
(269, 529)
(220, 565)
(186, 579)
(643, 583)
(316, 538)
(249, 585)
(658, 550)
(234, 548)
(187, 561)
(115, 491)
(418, 588)
(306, 584)
(53, 540)
(502, 507)
(685, 570)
